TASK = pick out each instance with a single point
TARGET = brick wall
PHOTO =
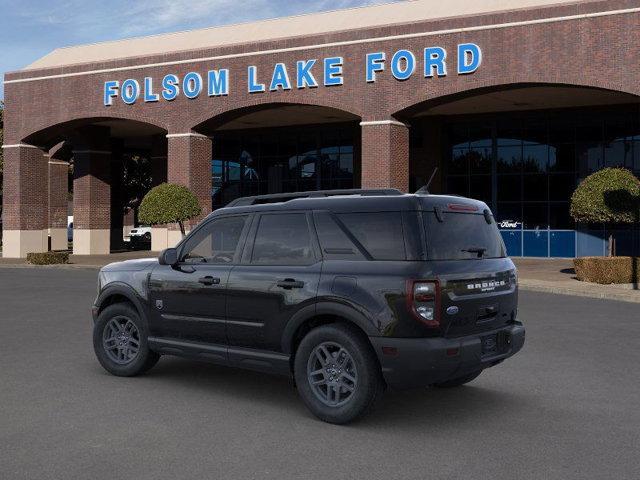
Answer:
(600, 51)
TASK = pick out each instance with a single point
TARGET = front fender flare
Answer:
(122, 289)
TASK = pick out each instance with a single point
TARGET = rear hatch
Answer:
(478, 284)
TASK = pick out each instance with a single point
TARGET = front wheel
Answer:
(337, 374)
(120, 341)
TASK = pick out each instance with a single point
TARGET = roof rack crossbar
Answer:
(284, 197)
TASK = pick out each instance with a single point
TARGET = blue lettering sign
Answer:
(304, 77)
(375, 63)
(434, 59)
(254, 87)
(280, 78)
(333, 71)
(192, 85)
(149, 96)
(469, 58)
(218, 81)
(110, 92)
(403, 64)
(170, 87)
(130, 91)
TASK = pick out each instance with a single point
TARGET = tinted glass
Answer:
(460, 236)
(334, 242)
(379, 233)
(261, 161)
(283, 240)
(215, 243)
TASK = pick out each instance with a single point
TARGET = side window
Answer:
(335, 243)
(283, 240)
(216, 243)
(379, 233)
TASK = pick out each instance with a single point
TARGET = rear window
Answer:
(462, 236)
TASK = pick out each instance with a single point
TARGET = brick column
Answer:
(158, 160)
(91, 202)
(91, 191)
(385, 154)
(25, 209)
(159, 233)
(189, 164)
(58, 191)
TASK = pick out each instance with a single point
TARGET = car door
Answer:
(278, 276)
(188, 300)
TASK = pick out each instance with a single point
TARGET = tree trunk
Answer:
(181, 228)
(610, 249)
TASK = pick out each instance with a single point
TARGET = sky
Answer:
(29, 29)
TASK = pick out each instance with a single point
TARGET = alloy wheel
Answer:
(121, 340)
(332, 374)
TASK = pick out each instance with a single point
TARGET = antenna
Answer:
(425, 189)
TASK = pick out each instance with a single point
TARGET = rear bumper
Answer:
(419, 362)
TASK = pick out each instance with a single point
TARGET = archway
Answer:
(277, 147)
(113, 163)
(522, 148)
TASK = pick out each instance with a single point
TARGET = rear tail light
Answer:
(513, 277)
(423, 301)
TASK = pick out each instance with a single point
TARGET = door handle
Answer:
(289, 283)
(209, 280)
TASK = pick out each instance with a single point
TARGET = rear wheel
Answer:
(337, 374)
(456, 382)
(120, 341)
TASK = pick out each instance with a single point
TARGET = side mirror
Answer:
(168, 257)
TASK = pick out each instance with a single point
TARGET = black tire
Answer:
(142, 361)
(456, 382)
(367, 388)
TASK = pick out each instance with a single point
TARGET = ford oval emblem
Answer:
(452, 310)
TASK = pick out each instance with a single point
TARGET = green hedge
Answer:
(48, 258)
(606, 270)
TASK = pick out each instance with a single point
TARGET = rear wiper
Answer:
(479, 250)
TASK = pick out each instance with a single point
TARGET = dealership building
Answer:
(509, 101)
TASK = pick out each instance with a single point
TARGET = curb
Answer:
(630, 297)
(64, 266)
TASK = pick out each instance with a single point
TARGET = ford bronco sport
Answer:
(348, 292)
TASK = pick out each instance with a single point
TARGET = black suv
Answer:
(345, 291)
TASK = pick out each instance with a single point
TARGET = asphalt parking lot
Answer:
(566, 407)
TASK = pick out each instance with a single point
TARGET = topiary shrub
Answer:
(611, 195)
(169, 203)
(48, 258)
(606, 270)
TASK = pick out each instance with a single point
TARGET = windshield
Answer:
(461, 236)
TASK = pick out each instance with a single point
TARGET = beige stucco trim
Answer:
(91, 242)
(17, 243)
(477, 28)
(159, 239)
(20, 145)
(58, 238)
(189, 134)
(173, 237)
(383, 122)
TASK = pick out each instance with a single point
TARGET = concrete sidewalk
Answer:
(556, 275)
(83, 261)
(536, 274)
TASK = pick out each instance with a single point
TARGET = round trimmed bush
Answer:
(169, 203)
(611, 195)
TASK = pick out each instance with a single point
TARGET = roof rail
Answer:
(284, 197)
